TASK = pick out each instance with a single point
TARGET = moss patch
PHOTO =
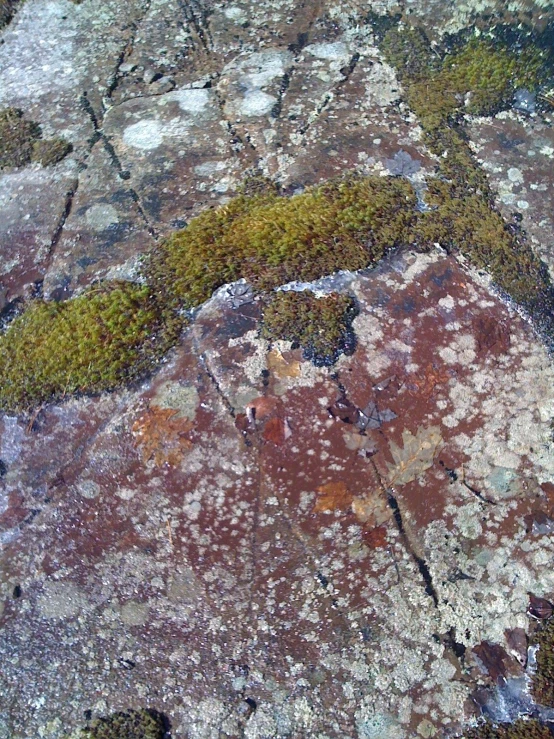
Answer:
(321, 326)
(17, 136)
(89, 344)
(21, 142)
(271, 240)
(479, 76)
(50, 151)
(520, 729)
(542, 686)
(125, 725)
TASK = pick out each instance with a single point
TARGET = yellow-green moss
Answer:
(89, 344)
(50, 151)
(125, 725)
(468, 224)
(271, 240)
(520, 729)
(542, 686)
(21, 142)
(479, 76)
(17, 136)
(321, 326)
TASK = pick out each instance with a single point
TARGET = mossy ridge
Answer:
(484, 74)
(322, 326)
(271, 240)
(520, 729)
(21, 142)
(132, 724)
(97, 341)
(542, 685)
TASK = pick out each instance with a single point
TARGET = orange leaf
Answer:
(277, 364)
(376, 538)
(334, 496)
(372, 510)
(277, 430)
(160, 434)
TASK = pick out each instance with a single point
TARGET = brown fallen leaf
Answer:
(277, 430)
(161, 435)
(333, 496)
(375, 538)
(372, 509)
(278, 365)
(415, 456)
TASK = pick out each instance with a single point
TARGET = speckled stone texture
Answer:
(251, 545)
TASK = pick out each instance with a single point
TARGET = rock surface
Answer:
(247, 543)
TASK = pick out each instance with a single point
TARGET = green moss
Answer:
(520, 729)
(17, 136)
(542, 686)
(125, 725)
(479, 76)
(21, 143)
(50, 151)
(89, 344)
(469, 225)
(271, 240)
(321, 326)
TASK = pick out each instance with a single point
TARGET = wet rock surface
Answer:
(245, 542)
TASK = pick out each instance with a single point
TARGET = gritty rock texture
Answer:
(247, 543)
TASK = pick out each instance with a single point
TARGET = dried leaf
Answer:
(372, 509)
(372, 418)
(333, 496)
(345, 410)
(357, 442)
(277, 430)
(415, 456)
(277, 364)
(161, 435)
(539, 608)
(427, 381)
(375, 538)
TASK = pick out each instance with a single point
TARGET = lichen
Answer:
(271, 240)
(130, 724)
(520, 729)
(542, 685)
(321, 326)
(110, 335)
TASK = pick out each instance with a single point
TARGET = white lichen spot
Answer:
(146, 135)
(101, 216)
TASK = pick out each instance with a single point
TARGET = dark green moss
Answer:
(520, 729)
(95, 342)
(126, 725)
(21, 143)
(17, 136)
(542, 686)
(271, 240)
(321, 326)
(50, 151)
